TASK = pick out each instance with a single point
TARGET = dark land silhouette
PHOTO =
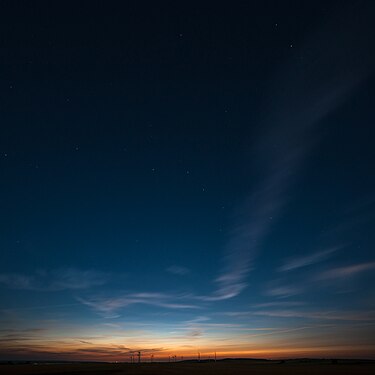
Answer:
(221, 367)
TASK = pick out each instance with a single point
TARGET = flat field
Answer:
(219, 368)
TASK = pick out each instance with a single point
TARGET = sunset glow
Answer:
(185, 181)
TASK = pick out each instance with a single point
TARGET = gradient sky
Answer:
(180, 177)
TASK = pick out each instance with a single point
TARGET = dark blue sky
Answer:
(181, 177)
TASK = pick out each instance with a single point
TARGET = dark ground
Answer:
(219, 368)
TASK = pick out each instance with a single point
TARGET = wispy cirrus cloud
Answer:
(266, 305)
(284, 291)
(279, 304)
(346, 271)
(54, 280)
(307, 260)
(299, 99)
(281, 288)
(110, 307)
(319, 315)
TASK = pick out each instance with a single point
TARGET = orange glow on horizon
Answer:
(116, 352)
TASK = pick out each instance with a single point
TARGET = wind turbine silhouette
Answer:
(132, 356)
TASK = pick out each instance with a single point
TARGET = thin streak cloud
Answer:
(303, 261)
(320, 315)
(111, 307)
(346, 271)
(301, 98)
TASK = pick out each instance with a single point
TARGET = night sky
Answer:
(181, 177)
